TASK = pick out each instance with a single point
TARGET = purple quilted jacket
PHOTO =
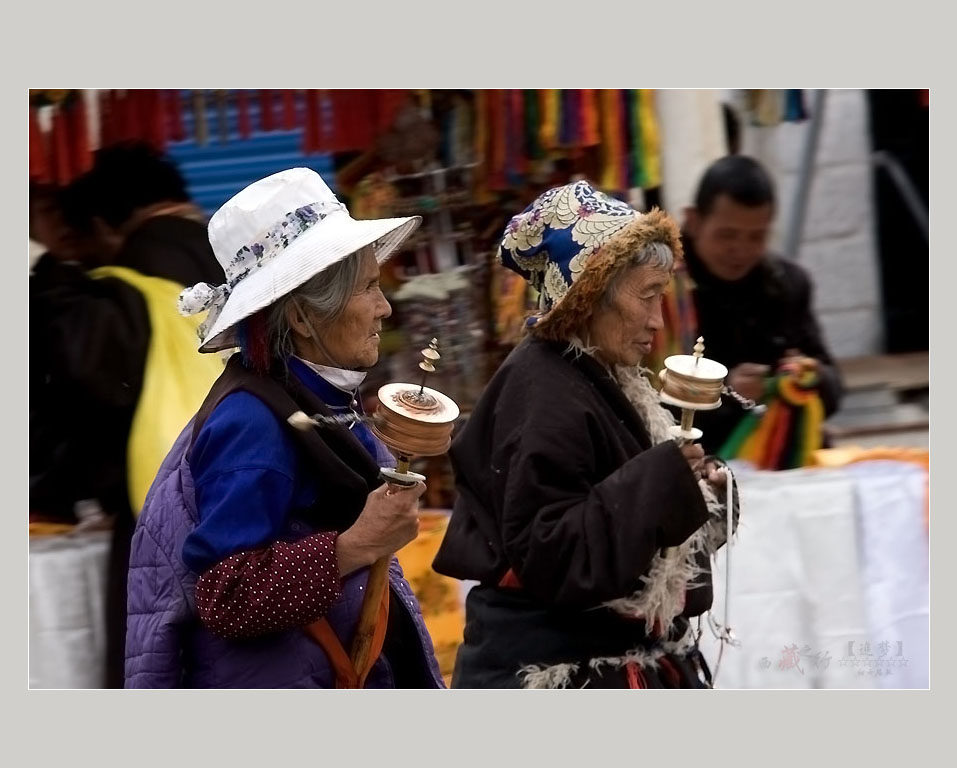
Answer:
(167, 646)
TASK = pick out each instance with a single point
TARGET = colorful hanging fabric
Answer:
(650, 142)
(789, 432)
(243, 124)
(311, 138)
(590, 129)
(532, 112)
(515, 163)
(348, 120)
(267, 120)
(550, 108)
(629, 161)
(60, 143)
(288, 109)
(632, 105)
(480, 148)
(611, 120)
(566, 118)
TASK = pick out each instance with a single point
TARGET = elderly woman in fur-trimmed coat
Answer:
(570, 487)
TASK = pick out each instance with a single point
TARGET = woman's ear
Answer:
(297, 320)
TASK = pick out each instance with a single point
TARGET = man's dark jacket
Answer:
(756, 320)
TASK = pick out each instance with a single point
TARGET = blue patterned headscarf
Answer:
(567, 233)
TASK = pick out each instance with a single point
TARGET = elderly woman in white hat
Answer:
(250, 559)
(588, 527)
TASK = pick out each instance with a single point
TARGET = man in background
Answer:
(753, 307)
(129, 240)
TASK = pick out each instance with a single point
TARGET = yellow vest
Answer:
(176, 380)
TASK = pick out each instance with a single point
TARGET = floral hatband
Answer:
(249, 258)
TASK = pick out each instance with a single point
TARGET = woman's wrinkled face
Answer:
(624, 329)
(352, 341)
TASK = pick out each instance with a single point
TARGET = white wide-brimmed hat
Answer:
(271, 238)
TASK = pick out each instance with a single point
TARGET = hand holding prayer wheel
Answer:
(412, 421)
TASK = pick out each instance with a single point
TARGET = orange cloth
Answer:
(440, 597)
(839, 457)
(50, 529)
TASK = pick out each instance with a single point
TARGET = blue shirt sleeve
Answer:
(244, 465)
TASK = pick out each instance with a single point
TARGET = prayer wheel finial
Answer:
(430, 355)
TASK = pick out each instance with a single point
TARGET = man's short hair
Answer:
(741, 178)
(129, 176)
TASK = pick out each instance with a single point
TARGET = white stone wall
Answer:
(838, 245)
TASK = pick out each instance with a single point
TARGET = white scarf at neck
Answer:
(340, 378)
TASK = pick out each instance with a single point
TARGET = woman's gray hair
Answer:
(656, 255)
(326, 295)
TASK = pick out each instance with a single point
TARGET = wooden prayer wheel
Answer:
(414, 421)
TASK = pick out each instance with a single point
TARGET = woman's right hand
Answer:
(387, 523)
(694, 455)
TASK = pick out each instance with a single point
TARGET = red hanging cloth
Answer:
(352, 117)
(367, 114)
(81, 158)
(516, 137)
(390, 101)
(161, 124)
(109, 128)
(335, 131)
(589, 117)
(311, 140)
(174, 116)
(39, 162)
(60, 141)
(242, 115)
(267, 120)
(288, 110)
(126, 117)
(152, 122)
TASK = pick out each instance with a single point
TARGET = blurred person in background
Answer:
(753, 308)
(114, 371)
(250, 561)
(570, 485)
